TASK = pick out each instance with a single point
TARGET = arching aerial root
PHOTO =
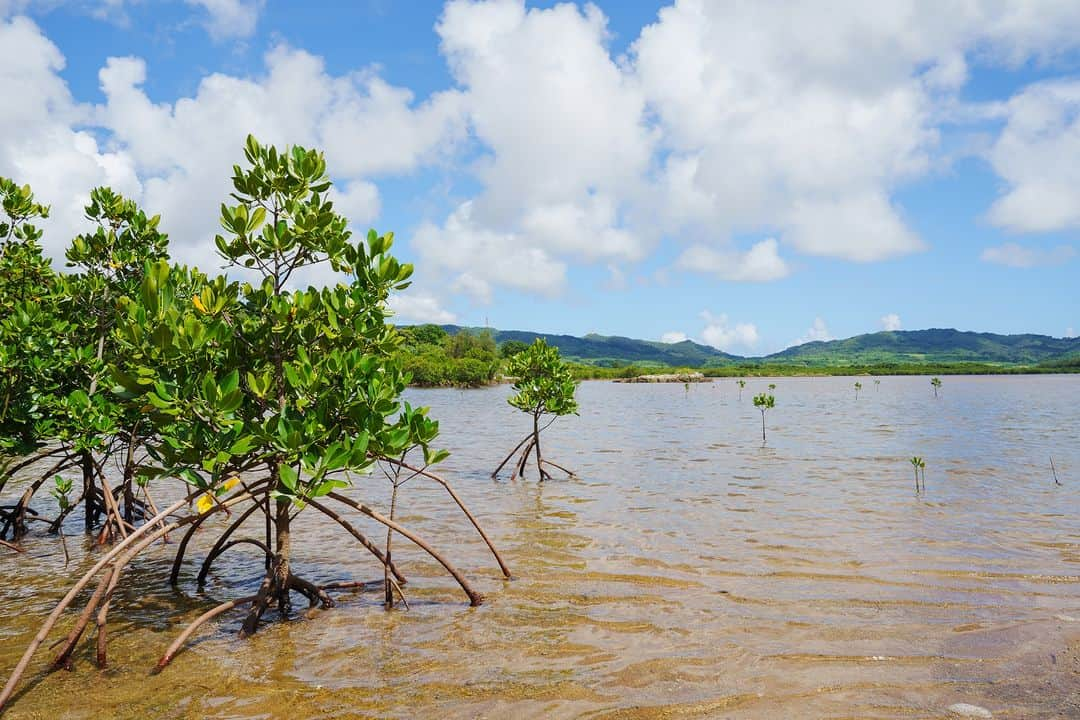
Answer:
(530, 445)
(423, 472)
(274, 591)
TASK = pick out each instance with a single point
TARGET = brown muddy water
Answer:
(688, 573)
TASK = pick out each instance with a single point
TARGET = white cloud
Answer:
(228, 18)
(358, 201)
(819, 331)
(411, 307)
(1018, 256)
(222, 19)
(767, 118)
(39, 143)
(673, 337)
(890, 322)
(761, 263)
(1036, 155)
(480, 257)
(185, 150)
(563, 141)
(784, 118)
(722, 334)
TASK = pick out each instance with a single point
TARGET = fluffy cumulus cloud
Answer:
(564, 147)
(721, 121)
(185, 150)
(1036, 157)
(1018, 256)
(890, 322)
(817, 332)
(175, 158)
(761, 263)
(722, 334)
(806, 121)
(41, 143)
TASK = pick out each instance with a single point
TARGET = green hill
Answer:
(906, 347)
(612, 351)
(930, 346)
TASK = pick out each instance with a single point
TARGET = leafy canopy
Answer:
(31, 329)
(545, 384)
(243, 375)
(764, 402)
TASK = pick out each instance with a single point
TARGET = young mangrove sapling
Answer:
(763, 403)
(545, 386)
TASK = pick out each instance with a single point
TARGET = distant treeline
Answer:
(472, 358)
(590, 372)
(436, 358)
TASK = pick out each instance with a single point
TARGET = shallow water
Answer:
(688, 572)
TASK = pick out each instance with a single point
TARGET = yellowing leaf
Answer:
(197, 302)
(204, 503)
(231, 483)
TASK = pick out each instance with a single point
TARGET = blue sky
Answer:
(749, 176)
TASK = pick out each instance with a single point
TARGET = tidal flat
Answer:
(686, 572)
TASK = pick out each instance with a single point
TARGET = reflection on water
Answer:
(688, 573)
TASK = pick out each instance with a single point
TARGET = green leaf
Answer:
(288, 476)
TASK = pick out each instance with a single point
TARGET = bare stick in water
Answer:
(1054, 470)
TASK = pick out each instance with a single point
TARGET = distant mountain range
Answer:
(896, 347)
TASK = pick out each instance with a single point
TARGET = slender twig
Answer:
(1054, 470)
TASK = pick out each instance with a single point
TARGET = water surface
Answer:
(688, 572)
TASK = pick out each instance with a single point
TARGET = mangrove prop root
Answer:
(519, 468)
(247, 541)
(63, 659)
(512, 452)
(17, 519)
(258, 604)
(372, 547)
(11, 546)
(131, 540)
(174, 574)
(400, 593)
(217, 549)
(113, 518)
(152, 506)
(475, 598)
(313, 592)
(182, 638)
(103, 612)
(432, 476)
(6, 473)
(569, 473)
